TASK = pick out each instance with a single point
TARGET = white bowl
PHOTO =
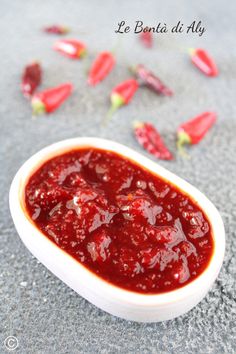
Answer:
(117, 301)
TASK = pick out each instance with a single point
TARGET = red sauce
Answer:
(124, 223)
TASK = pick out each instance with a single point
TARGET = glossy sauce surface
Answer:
(124, 223)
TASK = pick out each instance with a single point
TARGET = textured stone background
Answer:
(43, 313)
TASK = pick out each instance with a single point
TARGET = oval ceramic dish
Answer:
(117, 301)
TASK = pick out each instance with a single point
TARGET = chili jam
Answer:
(124, 223)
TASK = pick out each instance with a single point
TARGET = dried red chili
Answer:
(101, 67)
(56, 29)
(150, 80)
(202, 60)
(147, 39)
(31, 79)
(194, 130)
(122, 94)
(49, 100)
(150, 139)
(71, 48)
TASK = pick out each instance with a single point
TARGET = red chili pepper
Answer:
(150, 80)
(49, 100)
(56, 29)
(31, 79)
(194, 130)
(148, 136)
(201, 59)
(147, 39)
(71, 48)
(122, 94)
(101, 67)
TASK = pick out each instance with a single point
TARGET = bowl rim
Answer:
(201, 283)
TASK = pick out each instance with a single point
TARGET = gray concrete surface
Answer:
(38, 309)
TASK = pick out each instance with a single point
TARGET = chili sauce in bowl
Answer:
(126, 234)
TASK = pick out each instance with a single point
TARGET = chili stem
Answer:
(182, 151)
(183, 139)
